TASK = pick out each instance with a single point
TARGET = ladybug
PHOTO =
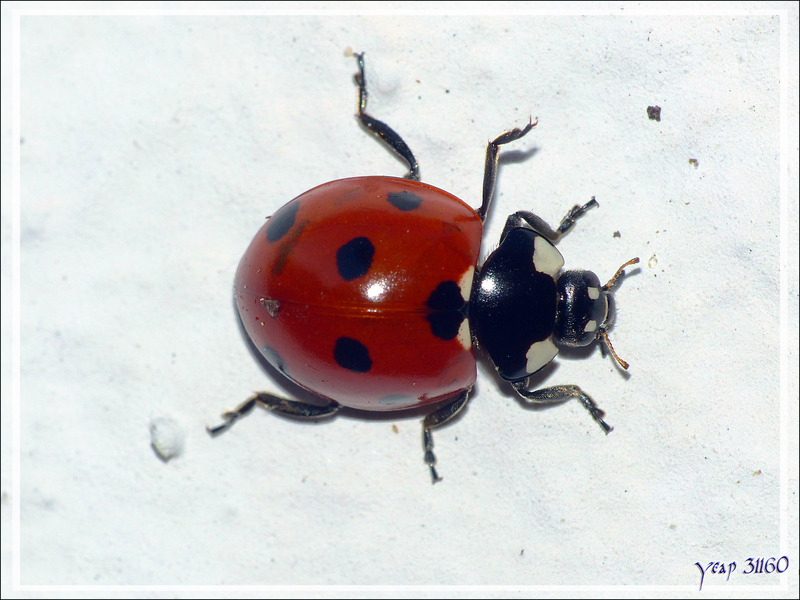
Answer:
(366, 291)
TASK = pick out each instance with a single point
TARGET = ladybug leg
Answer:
(562, 393)
(277, 404)
(381, 129)
(490, 168)
(523, 217)
(439, 417)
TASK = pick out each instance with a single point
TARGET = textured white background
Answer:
(152, 149)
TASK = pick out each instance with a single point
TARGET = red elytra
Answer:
(339, 290)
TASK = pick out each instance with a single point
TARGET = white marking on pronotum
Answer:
(539, 354)
(546, 258)
(590, 326)
(594, 293)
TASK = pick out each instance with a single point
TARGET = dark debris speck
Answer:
(654, 113)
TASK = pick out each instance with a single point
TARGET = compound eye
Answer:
(597, 299)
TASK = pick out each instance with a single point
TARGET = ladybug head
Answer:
(585, 309)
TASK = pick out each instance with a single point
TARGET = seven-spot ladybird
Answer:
(366, 292)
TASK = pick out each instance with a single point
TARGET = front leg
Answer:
(521, 218)
(562, 393)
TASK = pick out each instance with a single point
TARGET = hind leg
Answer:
(277, 404)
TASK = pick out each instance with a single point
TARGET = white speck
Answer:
(594, 293)
(166, 438)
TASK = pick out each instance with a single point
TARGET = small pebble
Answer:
(166, 438)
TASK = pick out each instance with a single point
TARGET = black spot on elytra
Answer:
(281, 222)
(446, 296)
(448, 310)
(352, 355)
(355, 258)
(445, 325)
(404, 200)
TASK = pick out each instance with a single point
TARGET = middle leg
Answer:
(389, 136)
(439, 417)
(490, 167)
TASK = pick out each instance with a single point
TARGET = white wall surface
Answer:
(152, 147)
